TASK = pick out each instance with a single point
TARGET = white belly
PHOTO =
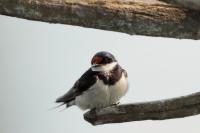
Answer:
(118, 90)
(101, 95)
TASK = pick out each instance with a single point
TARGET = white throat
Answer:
(104, 68)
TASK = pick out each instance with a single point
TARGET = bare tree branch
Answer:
(189, 4)
(156, 110)
(141, 17)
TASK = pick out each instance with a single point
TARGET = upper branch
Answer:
(139, 17)
(156, 110)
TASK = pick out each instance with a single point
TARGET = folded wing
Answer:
(81, 85)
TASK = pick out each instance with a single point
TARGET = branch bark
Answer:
(189, 4)
(157, 110)
(140, 17)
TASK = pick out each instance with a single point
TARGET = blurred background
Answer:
(41, 61)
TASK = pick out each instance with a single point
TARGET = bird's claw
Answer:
(115, 104)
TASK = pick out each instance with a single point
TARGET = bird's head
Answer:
(103, 61)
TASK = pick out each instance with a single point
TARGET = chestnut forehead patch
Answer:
(97, 60)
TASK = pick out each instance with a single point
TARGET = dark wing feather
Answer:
(81, 85)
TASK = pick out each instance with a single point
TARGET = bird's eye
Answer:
(97, 60)
(108, 60)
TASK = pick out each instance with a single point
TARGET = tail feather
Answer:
(66, 100)
(57, 106)
(70, 103)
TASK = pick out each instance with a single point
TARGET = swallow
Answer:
(102, 85)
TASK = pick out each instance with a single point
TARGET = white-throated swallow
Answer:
(102, 85)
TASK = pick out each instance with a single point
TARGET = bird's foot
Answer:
(115, 104)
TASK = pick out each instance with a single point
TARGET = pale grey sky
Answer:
(40, 61)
